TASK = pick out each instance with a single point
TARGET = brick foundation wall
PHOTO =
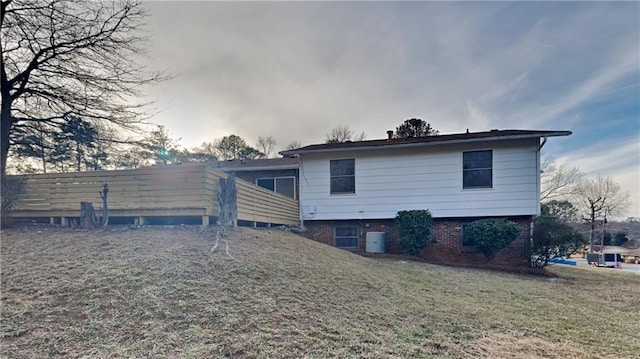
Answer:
(445, 245)
(322, 231)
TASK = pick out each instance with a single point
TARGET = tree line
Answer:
(81, 145)
(569, 199)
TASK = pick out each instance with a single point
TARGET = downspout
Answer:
(544, 141)
(542, 144)
(539, 183)
(300, 194)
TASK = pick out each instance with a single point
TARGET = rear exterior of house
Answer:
(279, 175)
(350, 189)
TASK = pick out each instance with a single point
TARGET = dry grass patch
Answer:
(159, 292)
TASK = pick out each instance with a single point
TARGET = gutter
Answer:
(543, 142)
(257, 168)
(427, 144)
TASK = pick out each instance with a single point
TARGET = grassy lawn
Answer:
(159, 292)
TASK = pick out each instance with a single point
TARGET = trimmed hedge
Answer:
(491, 235)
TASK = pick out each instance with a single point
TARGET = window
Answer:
(282, 185)
(345, 237)
(477, 168)
(343, 176)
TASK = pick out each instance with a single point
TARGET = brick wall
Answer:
(445, 245)
(322, 231)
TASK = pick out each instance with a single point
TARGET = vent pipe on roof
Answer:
(389, 135)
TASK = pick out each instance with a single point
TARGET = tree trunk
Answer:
(5, 131)
(592, 220)
(227, 199)
(87, 216)
(78, 156)
(105, 208)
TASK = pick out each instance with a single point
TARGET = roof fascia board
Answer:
(434, 143)
(258, 168)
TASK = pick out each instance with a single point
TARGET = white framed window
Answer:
(345, 237)
(282, 185)
(343, 176)
(477, 169)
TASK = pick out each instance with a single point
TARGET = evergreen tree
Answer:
(415, 127)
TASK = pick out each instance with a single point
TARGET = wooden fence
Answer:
(188, 189)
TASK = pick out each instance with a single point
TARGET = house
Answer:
(352, 188)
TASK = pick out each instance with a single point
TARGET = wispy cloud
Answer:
(619, 160)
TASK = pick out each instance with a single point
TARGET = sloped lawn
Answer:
(159, 292)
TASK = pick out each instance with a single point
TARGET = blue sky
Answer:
(294, 70)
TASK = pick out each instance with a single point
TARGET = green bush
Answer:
(414, 229)
(491, 235)
(553, 239)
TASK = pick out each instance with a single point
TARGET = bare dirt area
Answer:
(159, 292)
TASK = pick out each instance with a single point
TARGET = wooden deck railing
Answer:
(188, 189)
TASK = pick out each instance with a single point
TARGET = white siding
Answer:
(388, 181)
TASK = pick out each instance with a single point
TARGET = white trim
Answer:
(354, 178)
(462, 171)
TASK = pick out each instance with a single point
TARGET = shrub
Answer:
(620, 238)
(492, 235)
(553, 239)
(11, 187)
(414, 229)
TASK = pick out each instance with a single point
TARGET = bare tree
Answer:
(266, 145)
(598, 199)
(293, 145)
(65, 57)
(130, 157)
(559, 180)
(208, 149)
(340, 134)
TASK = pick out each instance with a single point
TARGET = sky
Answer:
(295, 70)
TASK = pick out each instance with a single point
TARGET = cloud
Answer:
(295, 70)
(619, 160)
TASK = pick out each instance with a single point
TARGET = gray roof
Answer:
(493, 135)
(258, 165)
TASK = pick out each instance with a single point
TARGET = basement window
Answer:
(477, 169)
(345, 237)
